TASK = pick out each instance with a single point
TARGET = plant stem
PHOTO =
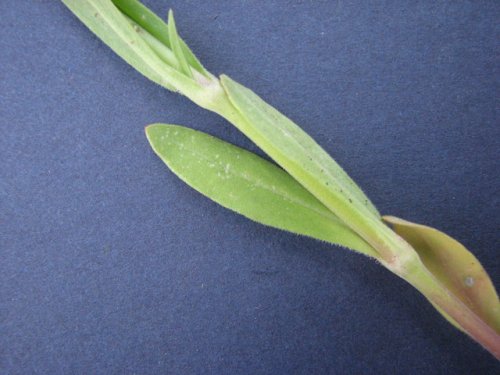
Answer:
(395, 253)
(420, 278)
(155, 49)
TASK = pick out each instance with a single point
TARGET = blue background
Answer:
(111, 265)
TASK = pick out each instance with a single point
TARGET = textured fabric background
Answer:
(111, 265)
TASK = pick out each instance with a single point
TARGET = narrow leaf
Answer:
(114, 29)
(247, 184)
(454, 266)
(297, 153)
(144, 17)
(295, 146)
(173, 36)
(155, 26)
(163, 52)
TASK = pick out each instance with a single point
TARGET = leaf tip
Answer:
(150, 130)
(171, 22)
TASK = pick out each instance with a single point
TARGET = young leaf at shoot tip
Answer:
(176, 46)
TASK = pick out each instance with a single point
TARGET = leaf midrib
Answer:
(277, 192)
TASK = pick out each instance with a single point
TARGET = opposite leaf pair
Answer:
(310, 195)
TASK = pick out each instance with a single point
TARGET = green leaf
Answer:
(158, 29)
(454, 266)
(247, 184)
(114, 29)
(163, 52)
(297, 153)
(145, 18)
(294, 146)
(175, 44)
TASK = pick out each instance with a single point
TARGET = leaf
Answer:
(114, 29)
(145, 18)
(297, 153)
(295, 144)
(163, 52)
(158, 29)
(173, 36)
(454, 266)
(247, 184)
